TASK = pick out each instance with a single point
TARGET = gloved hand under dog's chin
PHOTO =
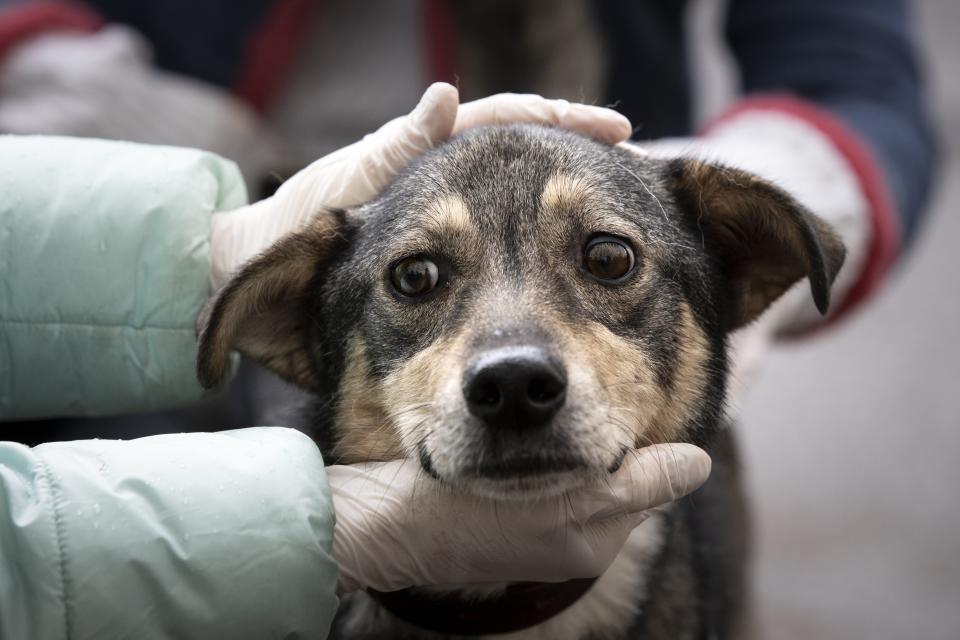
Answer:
(398, 528)
(356, 173)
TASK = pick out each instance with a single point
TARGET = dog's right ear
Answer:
(263, 312)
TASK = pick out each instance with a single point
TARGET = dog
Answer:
(517, 311)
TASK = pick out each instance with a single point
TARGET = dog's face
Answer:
(522, 306)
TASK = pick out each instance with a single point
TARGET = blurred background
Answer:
(850, 438)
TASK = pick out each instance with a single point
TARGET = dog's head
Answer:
(522, 306)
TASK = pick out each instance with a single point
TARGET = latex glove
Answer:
(356, 173)
(398, 528)
(104, 85)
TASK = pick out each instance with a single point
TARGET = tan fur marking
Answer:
(563, 191)
(571, 203)
(412, 390)
(448, 216)
(362, 421)
(387, 421)
(689, 379)
(626, 378)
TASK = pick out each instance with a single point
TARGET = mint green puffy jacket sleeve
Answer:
(103, 267)
(224, 535)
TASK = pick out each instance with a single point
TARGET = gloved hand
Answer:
(396, 528)
(357, 173)
(104, 85)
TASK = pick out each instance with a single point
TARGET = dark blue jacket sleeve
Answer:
(857, 60)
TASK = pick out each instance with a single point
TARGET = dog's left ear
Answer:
(764, 239)
(263, 311)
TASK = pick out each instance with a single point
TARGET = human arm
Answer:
(232, 534)
(224, 535)
(832, 110)
(104, 257)
(859, 62)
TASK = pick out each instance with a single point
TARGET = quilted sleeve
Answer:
(103, 267)
(199, 535)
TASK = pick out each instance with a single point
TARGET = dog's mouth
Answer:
(520, 473)
(532, 465)
(525, 465)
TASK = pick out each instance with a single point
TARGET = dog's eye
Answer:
(608, 258)
(414, 276)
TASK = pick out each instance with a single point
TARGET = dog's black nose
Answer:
(515, 387)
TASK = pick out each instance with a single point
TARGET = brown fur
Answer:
(362, 414)
(760, 236)
(261, 312)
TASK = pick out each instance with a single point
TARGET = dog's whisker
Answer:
(408, 409)
(646, 187)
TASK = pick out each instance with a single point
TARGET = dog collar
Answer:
(521, 605)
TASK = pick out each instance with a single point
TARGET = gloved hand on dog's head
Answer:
(354, 174)
(396, 528)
